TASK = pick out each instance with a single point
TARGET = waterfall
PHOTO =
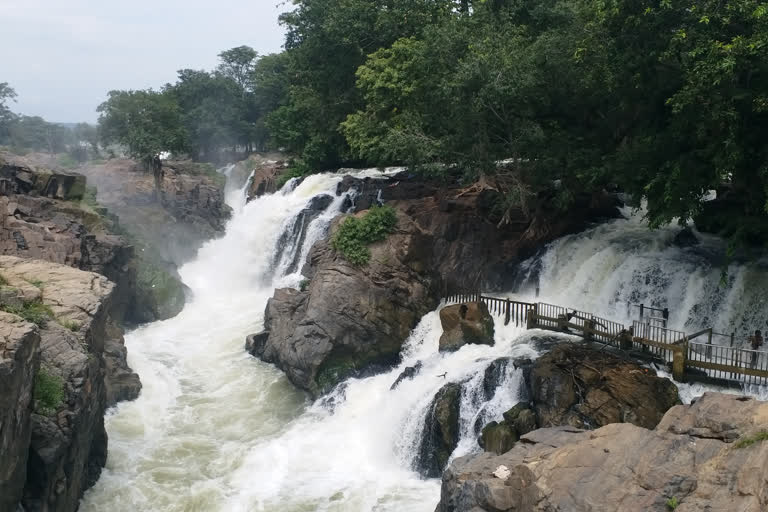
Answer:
(609, 269)
(217, 430)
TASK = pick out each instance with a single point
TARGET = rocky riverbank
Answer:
(706, 456)
(63, 362)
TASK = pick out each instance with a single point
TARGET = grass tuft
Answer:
(49, 392)
(749, 441)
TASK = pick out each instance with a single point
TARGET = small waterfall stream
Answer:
(217, 430)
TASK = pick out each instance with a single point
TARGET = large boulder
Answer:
(351, 318)
(584, 387)
(441, 431)
(19, 362)
(68, 443)
(264, 176)
(465, 323)
(690, 460)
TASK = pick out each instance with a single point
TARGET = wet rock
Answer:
(351, 318)
(521, 418)
(441, 431)
(291, 241)
(254, 344)
(686, 238)
(498, 437)
(569, 469)
(588, 388)
(408, 373)
(494, 375)
(19, 362)
(465, 323)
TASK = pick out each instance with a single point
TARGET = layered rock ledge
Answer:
(74, 360)
(707, 456)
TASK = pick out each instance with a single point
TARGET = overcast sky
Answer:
(63, 56)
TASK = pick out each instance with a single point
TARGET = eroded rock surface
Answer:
(350, 318)
(584, 387)
(19, 362)
(68, 443)
(690, 457)
(441, 431)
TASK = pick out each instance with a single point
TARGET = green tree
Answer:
(7, 117)
(147, 123)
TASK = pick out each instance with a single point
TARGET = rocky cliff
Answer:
(174, 213)
(61, 446)
(46, 215)
(353, 318)
(707, 456)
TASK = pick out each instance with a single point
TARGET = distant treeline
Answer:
(23, 134)
(665, 99)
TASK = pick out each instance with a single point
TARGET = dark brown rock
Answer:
(441, 431)
(580, 386)
(498, 437)
(351, 318)
(19, 362)
(465, 323)
(264, 177)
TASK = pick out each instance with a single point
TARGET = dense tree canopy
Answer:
(665, 99)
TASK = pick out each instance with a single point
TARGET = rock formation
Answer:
(707, 456)
(264, 174)
(78, 340)
(441, 431)
(584, 387)
(350, 318)
(54, 223)
(353, 318)
(174, 215)
(19, 362)
(465, 323)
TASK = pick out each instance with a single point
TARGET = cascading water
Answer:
(608, 269)
(215, 429)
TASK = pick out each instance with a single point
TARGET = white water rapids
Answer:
(217, 430)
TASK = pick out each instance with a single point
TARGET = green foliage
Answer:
(66, 161)
(672, 503)
(304, 285)
(48, 392)
(749, 441)
(3, 280)
(69, 324)
(356, 233)
(147, 123)
(32, 311)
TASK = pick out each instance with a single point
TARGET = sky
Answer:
(63, 56)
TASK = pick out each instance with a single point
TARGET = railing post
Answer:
(625, 339)
(589, 329)
(641, 313)
(709, 344)
(508, 312)
(537, 291)
(665, 315)
(679, 354)
(530, 318)
(733, 337)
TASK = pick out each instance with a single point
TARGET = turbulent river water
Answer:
(217, 430)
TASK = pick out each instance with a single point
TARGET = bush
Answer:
(672, 503)
(356, 233)
(49, 391)
(69, 324)
(304, 285)
(32, 311)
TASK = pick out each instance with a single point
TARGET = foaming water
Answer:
(217, 430)
(608, 269)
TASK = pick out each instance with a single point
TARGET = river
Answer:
(217, 430)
